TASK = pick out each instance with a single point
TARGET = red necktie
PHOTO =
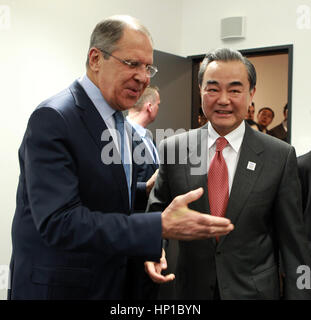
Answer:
(217, 181)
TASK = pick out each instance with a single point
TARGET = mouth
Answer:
(223, 112)
(134, 92)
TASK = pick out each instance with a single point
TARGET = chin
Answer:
(127, 105)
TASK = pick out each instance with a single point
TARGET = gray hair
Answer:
(108, 32)
(225, 54)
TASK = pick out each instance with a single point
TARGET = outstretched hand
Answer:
(181, 223)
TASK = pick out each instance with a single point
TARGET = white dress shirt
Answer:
(146, 139)
(231, 152)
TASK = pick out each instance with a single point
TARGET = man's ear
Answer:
(94, 59)
(252, 93)
(149, 107)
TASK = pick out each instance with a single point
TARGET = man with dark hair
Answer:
(74, 228)
(264, 118)
(250, 114)
(250, 178)
(280, 131)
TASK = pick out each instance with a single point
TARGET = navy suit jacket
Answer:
(73, 230)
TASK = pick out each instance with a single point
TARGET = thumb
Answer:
(191, 196)
(163, 263)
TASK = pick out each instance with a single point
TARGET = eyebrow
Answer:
(236, 83)
(233, 83)
(212, 82)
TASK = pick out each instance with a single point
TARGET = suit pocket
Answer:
(63, 282)
(267, 284)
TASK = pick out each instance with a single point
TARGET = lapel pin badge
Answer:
(251, 165)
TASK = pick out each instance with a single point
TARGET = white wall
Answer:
(269, 23)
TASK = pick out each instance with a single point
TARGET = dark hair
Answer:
(267, 108)
(226, 54)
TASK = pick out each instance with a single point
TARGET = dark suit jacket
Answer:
(73, 230)
(279, 132)
(144, 173)
(304, 166)
(264, 206)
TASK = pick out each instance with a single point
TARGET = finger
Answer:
(163, 263)
(190, 196)
(150, 267)
(158, 268)
(163, 279)
(213, 220)
(220, 231)
(205, 232)
(151, 270)
(157, 276)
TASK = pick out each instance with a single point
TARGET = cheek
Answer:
(207, 103)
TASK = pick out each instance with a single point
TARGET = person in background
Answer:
(280, 131)
(251, 114)
(140, 116)
(264, 118)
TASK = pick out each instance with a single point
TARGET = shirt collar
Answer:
(140, 129)
(234, 138)
(97, 98)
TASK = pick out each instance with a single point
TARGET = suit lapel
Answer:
(96, 126)
(245, 176)
(196, 173)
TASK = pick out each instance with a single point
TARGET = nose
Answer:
(223, 98)
(141, 75)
